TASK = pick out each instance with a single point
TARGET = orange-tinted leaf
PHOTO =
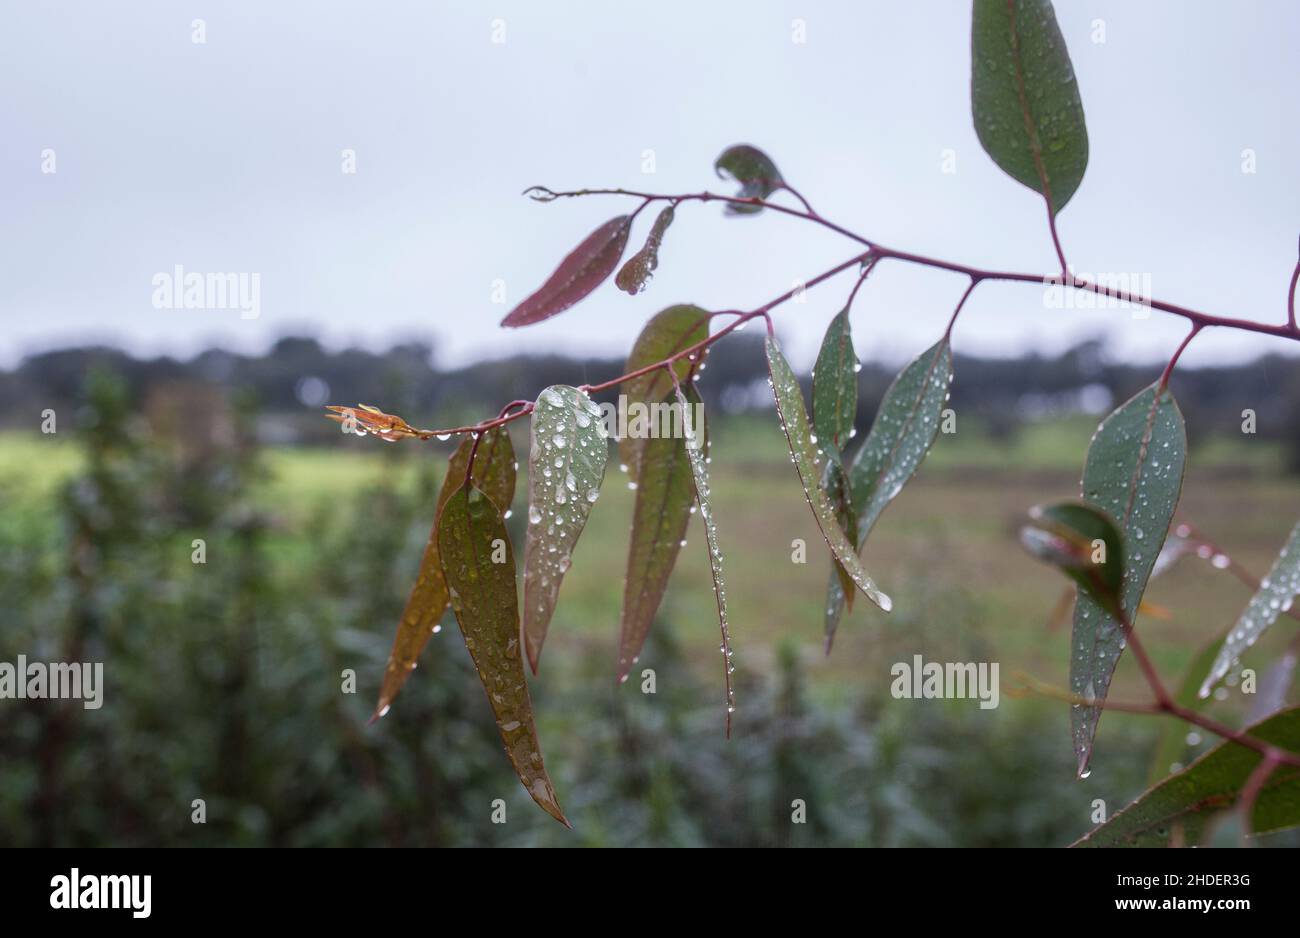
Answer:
(494, 472)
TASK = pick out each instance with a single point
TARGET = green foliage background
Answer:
(223, 679)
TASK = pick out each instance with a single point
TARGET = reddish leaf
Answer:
(578, 274)
(471, 538)
(664, 495)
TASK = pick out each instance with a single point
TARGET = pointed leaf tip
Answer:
(902, 434)
(700, 476)
(1133, 473)
(585, 268)
(803, 450)
(481, 584)
(494, 473)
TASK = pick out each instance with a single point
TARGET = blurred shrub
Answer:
(224, 684)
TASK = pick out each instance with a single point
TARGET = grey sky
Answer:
(226, 156)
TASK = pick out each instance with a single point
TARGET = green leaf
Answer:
(664, 496)
(1084, 544)
(668, 332)
(1276, 595)
(835, 383)
(566, 464)
(1025, 98)
(640, 267)
(754, 170)
(901, 435)
(1178, 809)
(585, 268)
(835, 483)
(1134, 473)
(700, 475)
(471, 537)
(494, 473)
(794, 421)
(1173, 736)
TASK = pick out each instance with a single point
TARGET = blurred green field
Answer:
(341, 539)
(946, 550)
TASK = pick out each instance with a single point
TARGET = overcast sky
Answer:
(227, 155)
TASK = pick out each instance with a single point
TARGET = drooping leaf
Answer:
(668, 332)
(472, 538)
(566, 464)
(794, 421)
(1276, 594)
(1025, 98)
(700, 476)
(901, 435)
(582, 271)
(1173, 736)
(640, 267)
(494, 473)
(1134, 473)
(835, 383)
(754, 170)
(1084, 544)
(835, 483)
(664, 495)
(1179, 808)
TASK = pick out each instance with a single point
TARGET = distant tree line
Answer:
(297, 375)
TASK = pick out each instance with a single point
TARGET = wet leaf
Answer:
(835, 483)
(472, 532)
(901, 435)
(566, 464)
(803, 450)
(1134, 473)
(1084, 544)
(1186, 802)
(1025, 98)
(1276, 595)
(640, 267)
(664, 496)
(668, 332)
(754, 170)
(835, 383)
(1274, 686)
(700, 476)
(494, 473)
(582, 271)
